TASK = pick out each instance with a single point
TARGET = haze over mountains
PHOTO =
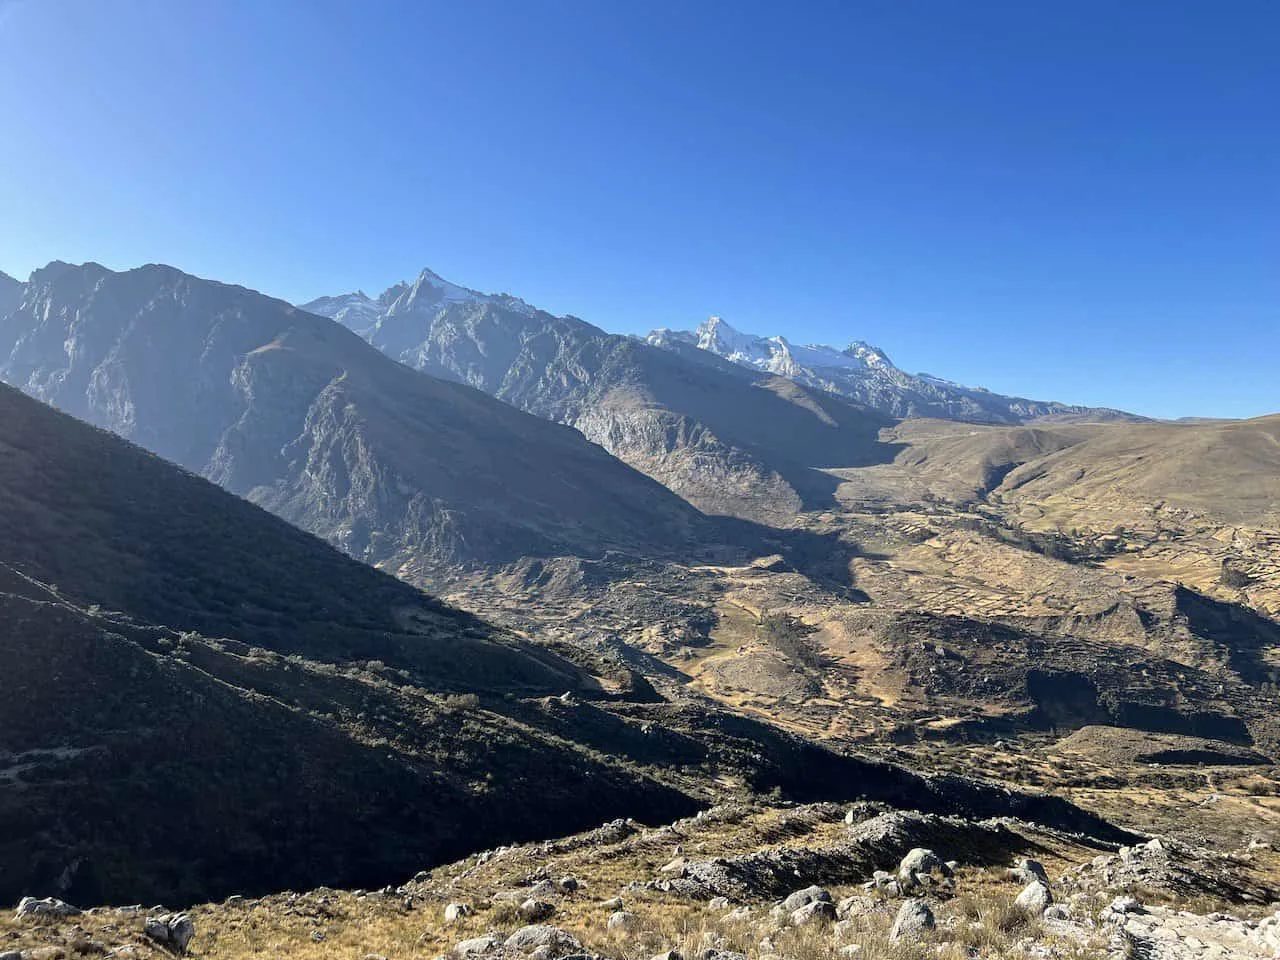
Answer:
(726, 439)
(304, 418)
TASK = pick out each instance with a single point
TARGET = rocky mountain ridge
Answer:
(299, 415)
(419, 324)
(726, 439)
(866, 375)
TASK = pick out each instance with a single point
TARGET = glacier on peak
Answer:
(405, 318)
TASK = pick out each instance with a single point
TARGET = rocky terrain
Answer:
(220, 677)
(10, 293)
(849, 640)
(735, 881)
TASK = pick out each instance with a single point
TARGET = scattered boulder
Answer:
(844, 929)
(855, 906)
(543, 888)
(920, 862)
(1035, 898)
(1029, 871)
(880, 880)
(535, 911)
(1119, 908)
(914, 919)
(623, 921)
(455, 912)
(718, 903)
(615, 903)
(535, 936)
(172, 930)
(49, 907)
(738, 915)
(818, 911)
(11, 955)
(802, 898)
(567, 884)
(477, 945)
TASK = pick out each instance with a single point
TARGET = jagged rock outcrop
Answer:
(879, 841)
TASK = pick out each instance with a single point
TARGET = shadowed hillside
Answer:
(303, 417)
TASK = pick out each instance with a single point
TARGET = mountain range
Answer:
(411, 472)
(202, 699)
(682, 571)
(728, 440)
(733, 423)
(418, 323)
(866, 375)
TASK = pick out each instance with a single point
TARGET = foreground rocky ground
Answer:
(739, 881)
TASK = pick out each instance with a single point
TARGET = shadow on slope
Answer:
(113, 526)
(794, 431)
(1244, 637)
(148, 766)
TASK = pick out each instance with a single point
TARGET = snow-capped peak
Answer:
(868, 355)
(432, 291)
(435, 288)
(777, 354)
(716, 336)
(354, 310)
(429, 292)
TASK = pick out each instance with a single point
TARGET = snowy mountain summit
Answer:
(429, 293)
(776, 354)
(461, 334)
(863, 373)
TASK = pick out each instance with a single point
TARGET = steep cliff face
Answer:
(303, 417)
(728, 440)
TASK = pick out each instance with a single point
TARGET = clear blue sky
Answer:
(1066, 199)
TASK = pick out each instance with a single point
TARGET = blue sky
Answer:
(1069, 200)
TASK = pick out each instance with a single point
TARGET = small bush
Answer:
(461, 702)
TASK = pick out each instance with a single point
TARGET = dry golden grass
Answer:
(348, 925)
